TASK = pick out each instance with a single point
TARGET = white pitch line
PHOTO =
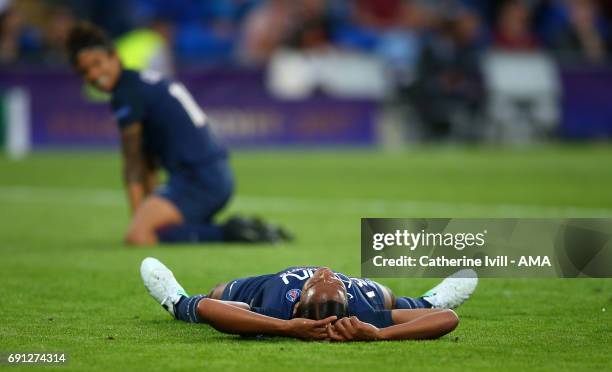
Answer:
(48, 195)
(365, 207)
(394, 208)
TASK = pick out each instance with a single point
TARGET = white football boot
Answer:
(453, 290)
(161, 284)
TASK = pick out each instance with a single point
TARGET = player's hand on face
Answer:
(352, 329)
(308, 329)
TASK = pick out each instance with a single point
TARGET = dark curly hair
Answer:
(85, 35)
(317, 311)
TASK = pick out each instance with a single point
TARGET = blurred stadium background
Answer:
(393, 73)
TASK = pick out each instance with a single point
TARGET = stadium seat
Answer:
(524, 91)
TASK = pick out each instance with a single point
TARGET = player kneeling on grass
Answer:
(162, 124)
(313, 303)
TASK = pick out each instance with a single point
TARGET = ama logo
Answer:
(293, 294)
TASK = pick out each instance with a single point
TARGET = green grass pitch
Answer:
(68, 284)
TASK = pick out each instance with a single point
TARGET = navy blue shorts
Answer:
(233, 290)
(199, 193)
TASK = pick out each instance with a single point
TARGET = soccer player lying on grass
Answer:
(313, 303)
(161, 124)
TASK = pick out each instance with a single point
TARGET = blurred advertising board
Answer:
(241, 111)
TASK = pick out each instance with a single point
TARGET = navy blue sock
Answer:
(186, 309)
(190, 233)
(411, 303)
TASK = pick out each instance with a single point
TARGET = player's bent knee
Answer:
(139, 238)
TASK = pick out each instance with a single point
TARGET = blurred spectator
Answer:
(513, 30)
(229, 31)
(401, 47)
(311, 28)
(448, 91)
(585, 37)
(265, 30)
(18, 41)
(113, 16)
(367, 23)
(378, 13)
(10, 32)
(59, 21)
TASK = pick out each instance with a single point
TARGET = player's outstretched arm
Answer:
(431, 324)
(133, 164)
(408, 325)
(236, 320)
(150, 180)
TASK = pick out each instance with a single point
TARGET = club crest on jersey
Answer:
(293, 294)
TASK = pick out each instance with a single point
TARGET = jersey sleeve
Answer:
(378, 318)
(128, 107)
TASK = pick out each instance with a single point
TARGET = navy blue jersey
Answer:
(275, 295)
(175, 130)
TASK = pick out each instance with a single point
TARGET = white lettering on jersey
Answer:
(150, 77)
(303, 274)
(197, 116)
